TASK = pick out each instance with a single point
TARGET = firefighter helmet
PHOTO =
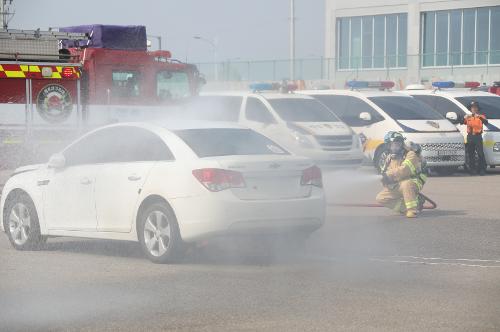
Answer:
(393, 136)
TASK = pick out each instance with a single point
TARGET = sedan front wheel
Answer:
(21, 223)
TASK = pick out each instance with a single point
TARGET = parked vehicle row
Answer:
(372, 110)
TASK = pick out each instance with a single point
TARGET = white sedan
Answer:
(163, 187)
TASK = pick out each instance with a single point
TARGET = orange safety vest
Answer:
(474, 124)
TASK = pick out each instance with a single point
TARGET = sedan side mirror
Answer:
(57, 161)
(365, 116)
(452, 116)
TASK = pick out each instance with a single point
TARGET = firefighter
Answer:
(475, 122)
(403, 176)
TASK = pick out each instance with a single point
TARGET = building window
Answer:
(367, 42)
(460, 37)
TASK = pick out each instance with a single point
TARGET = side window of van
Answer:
(349, 108)
(440, 104)
(357, 106)
(256, 111)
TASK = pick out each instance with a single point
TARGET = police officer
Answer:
(474, 123)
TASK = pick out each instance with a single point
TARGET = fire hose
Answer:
(430, 206)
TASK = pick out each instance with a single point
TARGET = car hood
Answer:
(427, 125)
(324, 128)
(27, 168)
(493, 125)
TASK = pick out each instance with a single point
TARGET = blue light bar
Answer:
(261, 86)
(357, 84)
(443, 84)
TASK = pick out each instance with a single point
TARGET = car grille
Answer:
(437, 159)
(335, 143)
(442, 146)
(434, 148)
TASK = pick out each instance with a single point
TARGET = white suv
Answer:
(299, 123)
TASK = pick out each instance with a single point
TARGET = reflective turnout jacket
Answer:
(475, 124)
(407, 168)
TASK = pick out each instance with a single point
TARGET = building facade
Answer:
(413, 41)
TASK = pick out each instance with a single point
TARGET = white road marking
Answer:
(432, 263)
(416, 260)
(450, 259)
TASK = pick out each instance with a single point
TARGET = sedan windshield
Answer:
(302, 110)
(489, 106)
(228, 142)
(406, 108)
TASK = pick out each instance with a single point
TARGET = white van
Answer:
(452, 99)
(372, 111)
(299, 123)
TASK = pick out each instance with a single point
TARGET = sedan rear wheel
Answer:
(159, 234)
(21, 224)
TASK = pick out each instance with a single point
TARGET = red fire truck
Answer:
(54, 85)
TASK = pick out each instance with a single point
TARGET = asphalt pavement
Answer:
(366, 269)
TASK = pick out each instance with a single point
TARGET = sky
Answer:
(242, 30)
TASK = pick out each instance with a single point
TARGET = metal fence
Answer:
(479, 64)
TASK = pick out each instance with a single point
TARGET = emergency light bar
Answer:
(262, 87)
(284, 87)
(451, 84)
(370, 84)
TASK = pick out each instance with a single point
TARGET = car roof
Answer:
(263, 94)
(180, 125)
(356, 93)
(453, 93)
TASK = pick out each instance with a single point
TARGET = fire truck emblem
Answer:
(54, 103)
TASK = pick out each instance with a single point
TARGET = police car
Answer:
(299, 123)
(451, 99)
(372, 110)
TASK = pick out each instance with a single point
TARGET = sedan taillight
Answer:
(312, 177)
(215, 179)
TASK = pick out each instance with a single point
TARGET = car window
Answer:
(172, 85)
(125, 84)
(489, 106)
(302, 110)
(117, 144)
(348, 109)
(406, 108)
(227, 142)
(440, 104)
(215, 108)
(255, 110)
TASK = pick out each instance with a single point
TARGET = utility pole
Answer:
(214, 48)
(292, 39)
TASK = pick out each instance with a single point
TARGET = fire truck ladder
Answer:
(38, 34)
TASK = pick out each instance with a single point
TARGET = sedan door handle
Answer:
(134, 177)
(85, 181)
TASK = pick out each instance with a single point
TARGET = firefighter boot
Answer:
(411, 214)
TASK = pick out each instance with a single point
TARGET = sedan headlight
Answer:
(496, 147)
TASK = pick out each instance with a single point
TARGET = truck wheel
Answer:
(21, 223)
(159, 234)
